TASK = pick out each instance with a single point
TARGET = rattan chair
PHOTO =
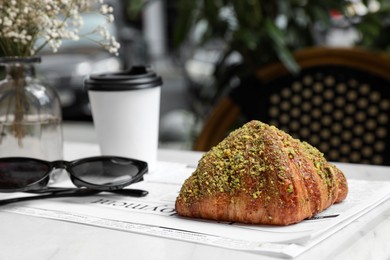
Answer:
(339, 102)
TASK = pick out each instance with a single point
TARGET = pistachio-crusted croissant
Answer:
(261, 175)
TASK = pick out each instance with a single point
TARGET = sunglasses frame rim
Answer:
(66, 165)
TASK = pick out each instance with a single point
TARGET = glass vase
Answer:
(30, 112)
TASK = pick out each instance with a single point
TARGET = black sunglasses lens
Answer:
(17, 174)
(107, 171)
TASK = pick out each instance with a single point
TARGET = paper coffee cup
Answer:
(125, 109)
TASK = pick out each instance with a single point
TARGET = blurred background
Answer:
(201, 48)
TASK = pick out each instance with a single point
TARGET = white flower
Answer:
(104, 9)
(110, 18)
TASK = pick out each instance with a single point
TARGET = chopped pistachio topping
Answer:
(247, 161)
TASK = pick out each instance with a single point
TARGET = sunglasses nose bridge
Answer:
(60, 164)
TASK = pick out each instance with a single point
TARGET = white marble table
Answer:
(26, 237)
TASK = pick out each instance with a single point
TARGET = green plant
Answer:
(374, 28)
(265, 31)
(262, 32)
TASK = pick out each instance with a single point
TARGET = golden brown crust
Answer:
(261, 175)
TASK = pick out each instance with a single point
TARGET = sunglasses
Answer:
(100, 173)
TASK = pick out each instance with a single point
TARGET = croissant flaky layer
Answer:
(261, 175)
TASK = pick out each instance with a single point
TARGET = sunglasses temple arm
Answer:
(125, 192)
(58, 194)
(130, 192)
(71, 192)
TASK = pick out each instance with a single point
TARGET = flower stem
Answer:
(17, 73)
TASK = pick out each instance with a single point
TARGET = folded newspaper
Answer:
(155, 215)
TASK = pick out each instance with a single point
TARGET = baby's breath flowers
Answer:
(26, 26)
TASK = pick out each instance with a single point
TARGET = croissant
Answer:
(261, 175)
